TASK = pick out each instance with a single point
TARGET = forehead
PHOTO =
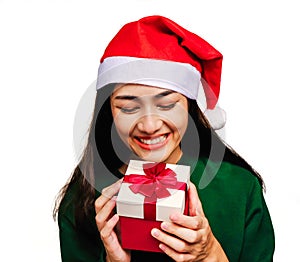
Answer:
(137, 90)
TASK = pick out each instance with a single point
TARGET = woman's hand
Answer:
(189, 238)
(106, 221)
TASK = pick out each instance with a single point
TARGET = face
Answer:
(150, 120)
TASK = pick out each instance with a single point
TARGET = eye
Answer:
(129, 110)
(166, 107)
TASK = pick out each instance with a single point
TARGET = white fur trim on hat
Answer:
(180, 77)
(216, 117)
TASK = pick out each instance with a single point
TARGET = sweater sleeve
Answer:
(259, 240)
(77, 245)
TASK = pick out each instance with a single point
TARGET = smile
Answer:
(152, 143)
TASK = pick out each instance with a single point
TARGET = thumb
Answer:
(195, 206)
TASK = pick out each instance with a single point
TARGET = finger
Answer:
(112, 190)
(101, 202)
(173, 242)
(191, 222)
(107, 194)
(109, 238)
(186, 234)
(195, 206)
(175, 255)
(107, 232)
(105, 213)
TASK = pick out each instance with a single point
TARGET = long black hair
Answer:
(99, 159)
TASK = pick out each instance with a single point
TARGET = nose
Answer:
(149, 124)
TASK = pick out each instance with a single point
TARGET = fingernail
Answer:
(164, 225)
(115, 217)
(174, 217)
(162, 247)
(114, 198)
(154, 232)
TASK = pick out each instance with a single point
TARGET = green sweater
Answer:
(232, 201)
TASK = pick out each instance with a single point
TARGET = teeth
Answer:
(153, 141)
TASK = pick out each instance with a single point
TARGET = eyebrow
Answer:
(165, 93)
(128, 97)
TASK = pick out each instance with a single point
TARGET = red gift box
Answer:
(150, 192)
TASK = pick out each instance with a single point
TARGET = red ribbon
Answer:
(153, 185)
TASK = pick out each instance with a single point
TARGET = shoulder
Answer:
(66, 211)
(76, 210)
(208, 173)
(225, 183)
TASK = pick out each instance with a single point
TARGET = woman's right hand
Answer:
(106, 222)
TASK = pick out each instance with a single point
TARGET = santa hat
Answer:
(158, 52)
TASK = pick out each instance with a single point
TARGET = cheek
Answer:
(182, 117)
(181, 123)
(178, 120)
(123, 125)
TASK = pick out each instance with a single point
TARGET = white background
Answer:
(49, 55)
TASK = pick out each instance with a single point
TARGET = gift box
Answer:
(149, 194)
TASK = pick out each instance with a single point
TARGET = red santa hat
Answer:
(157, 51)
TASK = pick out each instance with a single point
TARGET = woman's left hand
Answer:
(189, 238)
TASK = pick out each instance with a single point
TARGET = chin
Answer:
(154, 157)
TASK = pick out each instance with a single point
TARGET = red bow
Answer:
(155, 183)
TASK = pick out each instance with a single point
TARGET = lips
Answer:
(152, 143)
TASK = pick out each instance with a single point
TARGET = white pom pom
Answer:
(216, 117)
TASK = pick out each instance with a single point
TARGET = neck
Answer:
(172, 159)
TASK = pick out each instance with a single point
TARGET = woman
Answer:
(148, 85)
